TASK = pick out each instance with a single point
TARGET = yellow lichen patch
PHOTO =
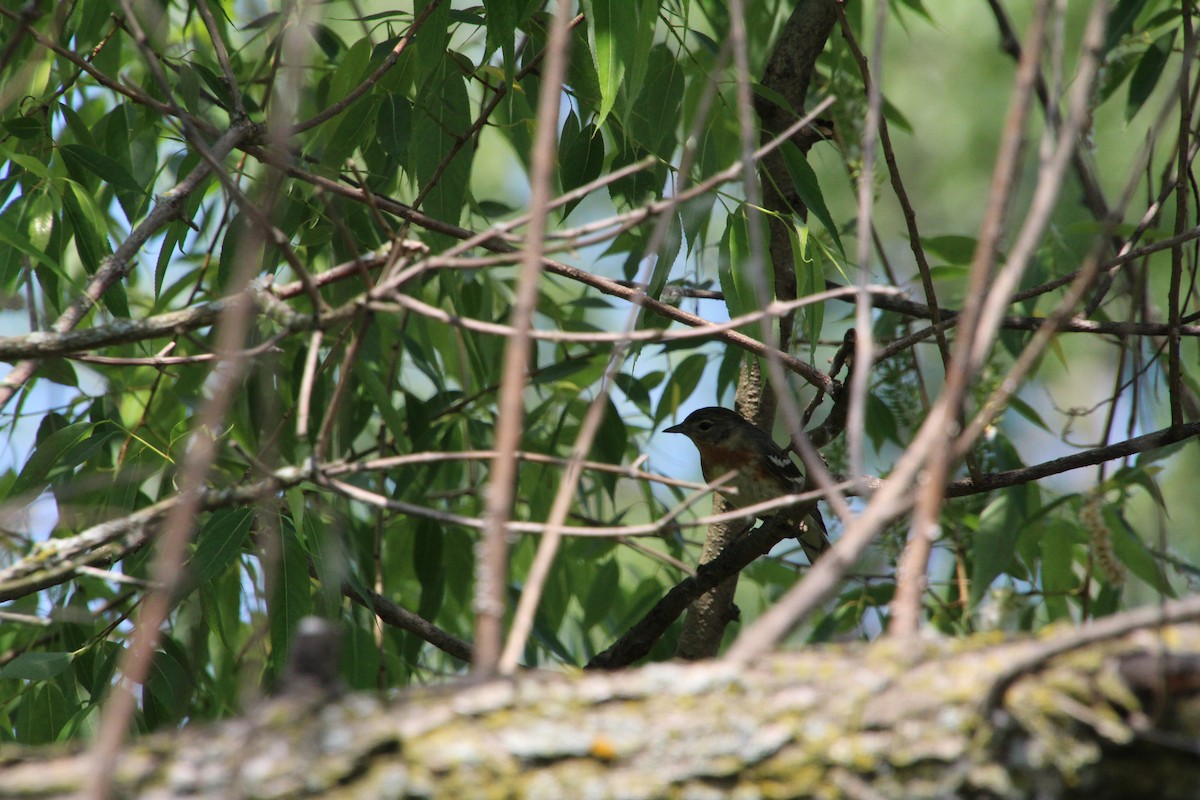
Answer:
(1051, 716)
(603, 749)
(1111, 685)
(991, 778)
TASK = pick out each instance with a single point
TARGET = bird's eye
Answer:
(704, 426)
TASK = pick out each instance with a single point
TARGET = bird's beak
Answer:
(674, 429)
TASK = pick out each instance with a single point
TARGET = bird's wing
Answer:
(784, 469)
(814, 539)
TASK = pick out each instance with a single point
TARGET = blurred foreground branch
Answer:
(892, 719)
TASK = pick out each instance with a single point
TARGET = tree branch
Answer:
(1113, 720)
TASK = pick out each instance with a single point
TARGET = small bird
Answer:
(762, 471)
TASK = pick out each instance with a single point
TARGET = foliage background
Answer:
(308, 390)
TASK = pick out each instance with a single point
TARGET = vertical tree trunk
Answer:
(789, 73)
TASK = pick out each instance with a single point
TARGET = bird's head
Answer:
(711, 425)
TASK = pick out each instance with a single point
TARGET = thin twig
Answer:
(914, 561)
(180, 520)
(860, 375)
(802, 368)
(218, 44)
(1182, 170)
(491, 557)
(367, 83)
(304, 397)
(400, 617)
(772, 309)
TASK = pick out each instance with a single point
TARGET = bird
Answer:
(762, 470)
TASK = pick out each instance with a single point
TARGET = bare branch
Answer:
(491, 560)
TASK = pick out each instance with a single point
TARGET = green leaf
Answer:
(1133, 553)
(188, 86)
(613, 30)
(382, 400)
(352, 68)
(881, 423)
(810, 279)
(773, 97)
(240, 242)
(1149, 457)
(1057, 540)
(952, 249)
(606, 584)
(292, 598)
(731, 253)
(60, 371)
(1107, 602)
(1148, 71)
(742, 268)
(503, 17)
(41, 714)
(918, 8)
(609, 446)
(729, 369)
(393, 125)
(217, 87)
(809, 191)
(577, 373)
(635, 390)
(1139, 476)
(352, 129)
(392, 14)
(82, 160)
(361, 659)
(219, 543)
(994, 543)
(173, 236)
(14, 237)
(49, 457)
(36, 666)
(895, 116)
(26, 162)
(87, 223)
(1120, 21)
(25, 127)
(329, 42)
(1028, 412)
(653, 119)
(78, 128)
(581, 76)
(431, 51)
(637, 79)
(633, 190)
(119, 144)
(1117, 68)
(580, 156)
(680, 386)
(442, 114)
(664, 260)
(328, 557)
(169, 684)
(429, 565)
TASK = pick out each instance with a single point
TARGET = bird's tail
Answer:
(813, 536)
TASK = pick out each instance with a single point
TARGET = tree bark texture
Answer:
(915, 718)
